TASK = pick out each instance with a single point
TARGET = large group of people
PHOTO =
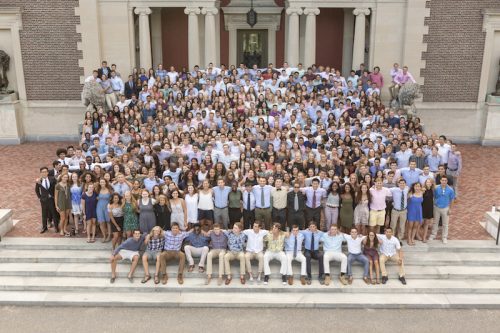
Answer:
(242, 163)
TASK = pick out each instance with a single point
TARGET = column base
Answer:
(10, 120)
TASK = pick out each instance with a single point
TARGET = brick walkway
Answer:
(479, 187)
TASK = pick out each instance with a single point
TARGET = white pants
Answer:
(192, 251)
(335, 256)
(300, 258)
(110, 100)
(268, 256)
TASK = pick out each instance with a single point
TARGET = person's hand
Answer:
(400, 261)
(37, 180)
(118, 228)
(58, 210)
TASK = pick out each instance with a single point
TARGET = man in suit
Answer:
(56, 170)
(104, 70)
(296, 204)
(44, 189)
(130, 88)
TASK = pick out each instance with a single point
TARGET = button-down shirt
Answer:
(174, 242)
(332, 243)
(117, 84)
(308, 238)
(198, 240)
(279, 198)
(290, 242)
(443, 196)
(156, 244)
(454, 162)
(389, 246)
(275, 244)
(443, 151)
(378, 198)
(121, 188)
(235, 242)
(397, 193)
(257, 191)
(245, 200)
(311, 193)
(255, 241)
(218, 241)
(410, 175)
(221, 196)
(403, 158)
(433, 162)
(402, 78)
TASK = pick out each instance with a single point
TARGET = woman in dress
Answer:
(427, 208)
(130, 222)
(332, 205)
(62, 198)
(162, 212)
(179, 210)
(191, 199)
(206, 206)
(415, 199)
(115, 209)
(235, 205)
(76, 201)
(362, 210)
(147, 218)
(104, 191)
(346, 207)
(89, 205)
(370, 250)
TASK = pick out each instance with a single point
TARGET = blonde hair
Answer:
(152, 232)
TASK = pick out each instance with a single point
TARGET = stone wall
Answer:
(49, 48)
(455, 46)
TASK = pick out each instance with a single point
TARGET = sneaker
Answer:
(259, 279)
(445, 241)
(328, 279)
(343, 280)
(402, 279)
(384, 279)
(431, 238)
(308, 281)
(250, 278)
(266, 280)
(321, 280)
(283, 280)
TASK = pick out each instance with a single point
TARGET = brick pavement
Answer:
(479, 187)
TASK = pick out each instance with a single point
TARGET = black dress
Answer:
(162, 216)
(428, 205)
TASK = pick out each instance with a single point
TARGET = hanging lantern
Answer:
(251, 16)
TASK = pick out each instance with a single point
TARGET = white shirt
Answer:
(255, 241)
(389, 246)
(443, 152)
(354, 245)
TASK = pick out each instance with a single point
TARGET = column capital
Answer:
(192, 11)
(293, 11)
(209, 11)
(361, 11)
(142, 11)
(311, 11)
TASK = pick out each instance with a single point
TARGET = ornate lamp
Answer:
(251, 16)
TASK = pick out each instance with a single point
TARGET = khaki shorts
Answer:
(377, 218)
(128, 255)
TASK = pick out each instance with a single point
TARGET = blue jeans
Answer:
(357, 257)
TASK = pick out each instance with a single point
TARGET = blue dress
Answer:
(415, 209)
(102, 207)
(90, 205)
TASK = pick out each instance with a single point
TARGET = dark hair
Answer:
(44, 168)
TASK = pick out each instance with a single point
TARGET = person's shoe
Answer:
(43, 230)
(445, 241)
(207, 281)
(303, 280)
(384, 279)
(328, 279)
(51, 225)
(242, 279)
(180, 279)
(290, 280)
(266, 280)
(431, 238)
(283, 280)
(403, 280)
(308, 280)
(250, 278)
(258, 278)
(112, 280)
(343, 280)
(164, 279)
(321, 280)
(228, 280)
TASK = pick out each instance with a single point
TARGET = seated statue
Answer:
(92, 95)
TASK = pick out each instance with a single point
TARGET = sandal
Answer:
(191, 268)
(157, 279)
(131, 279)
(371, 281)
(89, 241)
(366, 280)
(112, 280)
(146, 279)
(201, 269)
(67, 234)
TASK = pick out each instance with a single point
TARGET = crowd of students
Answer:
(227, 162)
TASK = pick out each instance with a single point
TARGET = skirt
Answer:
(119, 221)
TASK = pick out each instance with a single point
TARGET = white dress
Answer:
(192, 208)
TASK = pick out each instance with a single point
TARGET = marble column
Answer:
(310, 40)
(144, 37)
(210, 37)
(358, 50)
(193, 33)
(293, 36)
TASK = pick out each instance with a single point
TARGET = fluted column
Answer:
(310, 40)
(210, 42)
(358, 50)
(193, 35)
(144, 37)
(293, 36)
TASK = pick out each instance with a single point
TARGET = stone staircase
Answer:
(70, 272)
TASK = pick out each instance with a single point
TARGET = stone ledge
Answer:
(491, 223)
(6, 222)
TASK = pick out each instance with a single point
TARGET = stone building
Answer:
(452, 48)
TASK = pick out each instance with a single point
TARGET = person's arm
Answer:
(82, 203)
(37, 188)
(184, 208)
(112, 218)
(56, 194)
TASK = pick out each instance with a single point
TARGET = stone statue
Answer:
(92, 95)
(497, 91)
(4, 67)
(407, 94)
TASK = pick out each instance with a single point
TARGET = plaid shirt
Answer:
(156, 244)
(174, 242)
(218, 241)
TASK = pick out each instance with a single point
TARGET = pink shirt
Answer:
(378, 79)
(378, 198)
(402, 78)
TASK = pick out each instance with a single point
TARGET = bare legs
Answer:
(91, 230)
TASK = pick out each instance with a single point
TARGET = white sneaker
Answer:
(283, 283)
(250, 279)
(445, 241)
(431, 238)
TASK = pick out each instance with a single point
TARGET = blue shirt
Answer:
(332, 243)
(290, 242)
(198, 240)
(410, 176)
(257, 192)
(403, 158)
(396, 197)
(443, 197)
(308, 237)
(433, 162)
(235, 242)
(221, 196)
(150, 183)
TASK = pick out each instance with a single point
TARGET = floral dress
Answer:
(130, 222)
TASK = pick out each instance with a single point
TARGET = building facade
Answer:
(451, 47)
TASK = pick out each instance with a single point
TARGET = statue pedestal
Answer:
(491, 135)
(11, 132)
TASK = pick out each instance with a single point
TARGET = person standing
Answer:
(454, 167)
(399, 207)
(314, 194)
(104, 191)
(248, 199)
(147, 218)
(178, 210)
(62, 199)
(262, 193)
(279, 200)
(296, 204)
(44, 189)
(443, 201)
(235, 204)
(415, 218)
(332, 205)
(428, 207)
(206, 206)
(221, 200)
(130, 222)
(293, 249)
(346, 207)
(191, 199)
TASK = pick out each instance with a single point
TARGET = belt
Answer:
(332, 206)
(399, 210)
(378, 210)
(262, 208)
(453, 170)
(314, 208)
(221, 207)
